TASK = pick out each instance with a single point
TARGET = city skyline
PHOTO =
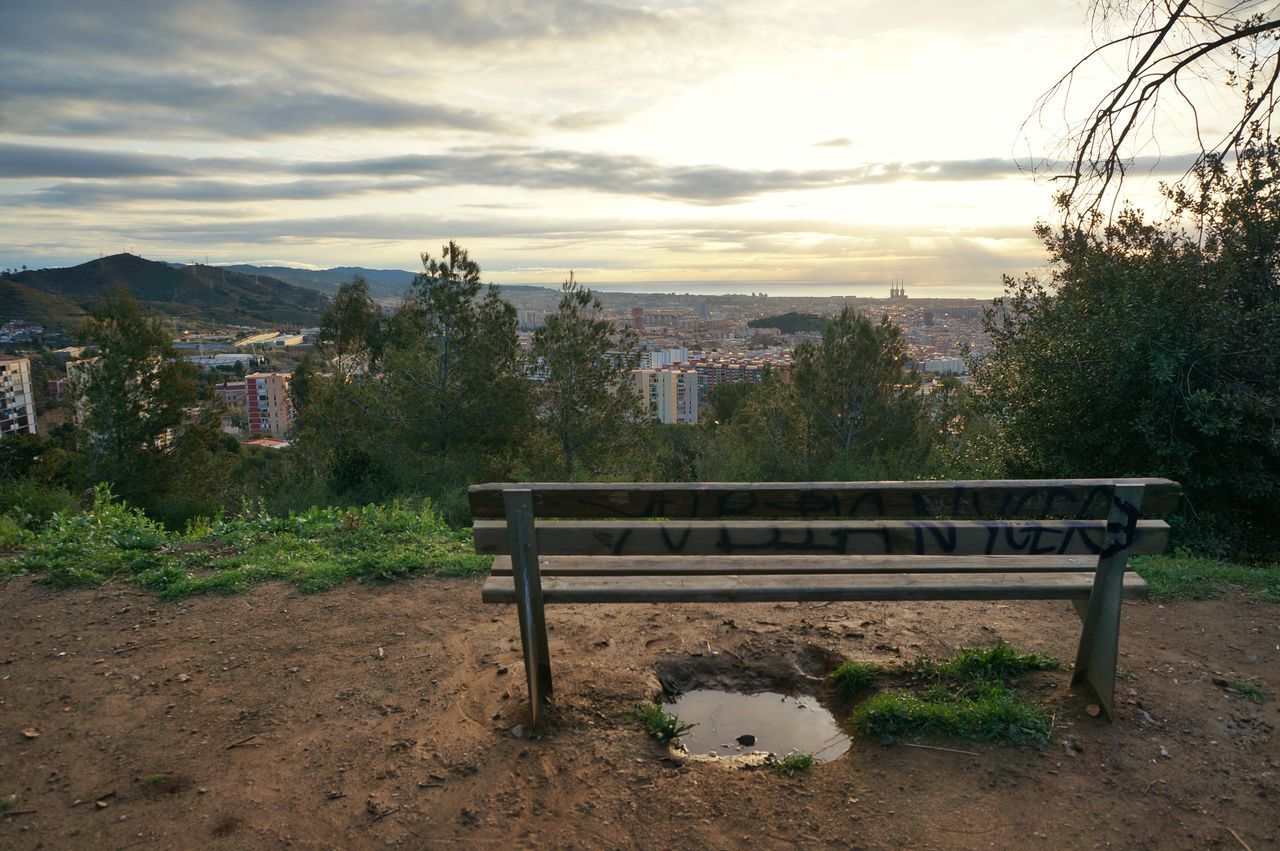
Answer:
(704, 146)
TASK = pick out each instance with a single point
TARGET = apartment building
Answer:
(17, 402)
(716, 370)
(268, 405)
(671, 393)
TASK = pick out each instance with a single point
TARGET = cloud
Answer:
(77, 102)
(111, 177)
(618, 174)
(842, 142)
(585, 120)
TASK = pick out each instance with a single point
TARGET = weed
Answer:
(1182, 576)
(1252, 691)
(793, 763)
(850, 679)
(13, 533)
(156, 779)
(7, 804)
(659, 723)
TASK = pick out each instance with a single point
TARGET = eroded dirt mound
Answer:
(788, 669)
(384, 716)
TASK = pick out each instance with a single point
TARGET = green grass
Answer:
(315, 550)
(850, 679)
(793, 763)
(659, 723)
(990, 714)
(1182, 576)
(156, 779)
(1252, 691)
(992, 663)
(969, 695)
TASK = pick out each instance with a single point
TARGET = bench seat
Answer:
(610, 586)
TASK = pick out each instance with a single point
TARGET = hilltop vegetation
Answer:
(791, 323)
(194, 293)
(43, 308)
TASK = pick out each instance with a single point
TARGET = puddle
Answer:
(779, 723)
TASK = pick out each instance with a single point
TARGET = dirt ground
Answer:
(383, 716)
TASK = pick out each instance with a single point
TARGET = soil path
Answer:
(382, 716)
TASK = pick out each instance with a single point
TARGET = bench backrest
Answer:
(992, 517)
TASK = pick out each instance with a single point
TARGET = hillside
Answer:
(18, 301)
(383, 283)
(791, 323)
(195, 293)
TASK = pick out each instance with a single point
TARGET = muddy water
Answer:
(779, 723)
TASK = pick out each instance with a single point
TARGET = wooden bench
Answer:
(741, 542)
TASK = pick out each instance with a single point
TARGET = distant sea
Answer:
(795, 289)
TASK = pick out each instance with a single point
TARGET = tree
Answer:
(452, 399)
(351, 331)
(130, 397)
(588, 412)
(851, 410)
(139, 425)
(1150, 350)
(1222, 59)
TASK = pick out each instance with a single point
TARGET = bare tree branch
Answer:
(1230, 48)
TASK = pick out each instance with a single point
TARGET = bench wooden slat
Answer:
(755, 565)
(763, 589)
(818, 537)
(1014, 498)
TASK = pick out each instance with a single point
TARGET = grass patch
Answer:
(1182, 576)
(156, 779)
(1252, 691)
(977, 665)
(793, 764)
(969, 695)
(850, 679)
(659, 723)
(315, 550)
(990, 713)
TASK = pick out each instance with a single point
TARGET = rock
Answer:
(1164, 752)
(184, 678)
(102, 805)
(31, 732)
(1073, 747)
(1094, 710)
(746, 740)
(517, 732)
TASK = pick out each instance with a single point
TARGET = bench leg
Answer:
(529, 605)
(1082, 608)
(1100, 635)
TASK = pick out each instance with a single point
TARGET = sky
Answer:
(740, 144)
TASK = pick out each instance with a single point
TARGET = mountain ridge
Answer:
(197, 293)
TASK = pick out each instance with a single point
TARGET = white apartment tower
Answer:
(671, 394)
(17, 404)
